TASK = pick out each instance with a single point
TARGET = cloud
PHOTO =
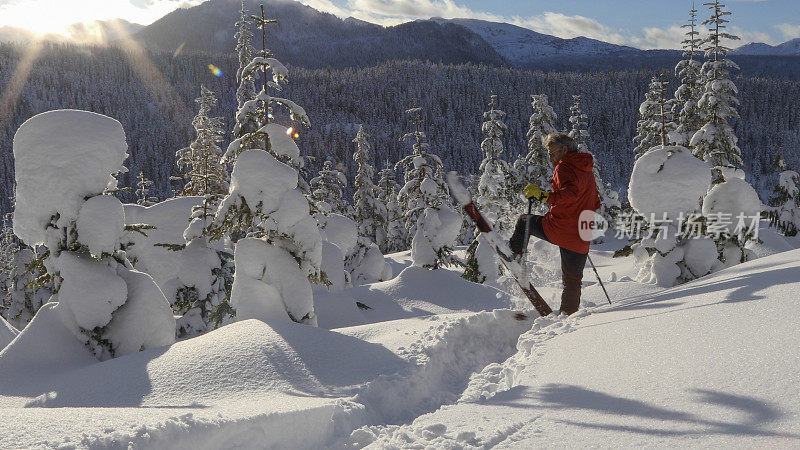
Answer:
(567, 27)
(663, 38)
(747, 37)
(447, 9)
(789, 31)
(327, 6)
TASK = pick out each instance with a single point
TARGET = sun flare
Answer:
(45, 17)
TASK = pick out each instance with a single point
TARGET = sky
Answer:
(638, 23)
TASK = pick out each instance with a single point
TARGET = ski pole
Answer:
(598, 278)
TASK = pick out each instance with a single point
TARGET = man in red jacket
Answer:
(574, 190)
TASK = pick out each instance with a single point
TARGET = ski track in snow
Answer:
(494, 378)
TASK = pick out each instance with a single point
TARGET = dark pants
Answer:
(572, 263)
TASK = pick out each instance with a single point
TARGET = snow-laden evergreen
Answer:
(143, 186)
(534, 166)
(497, 195)
(688, 115)
(666, 190)
(481, 265)
(579, 127)
(433, 225)
(259, 111)
(368, 208)
(784, 205)
(24, 283)
(715, 142)
(732, 210)
(244, 52)
(610, 204)
(326, 191)
(206, 274)
(365, 263)
(200, 164)
(656, 122)
(396, 236)
(65, 161)
(281, 254)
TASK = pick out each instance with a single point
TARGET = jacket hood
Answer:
(578, 161)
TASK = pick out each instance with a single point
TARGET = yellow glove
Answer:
(535, 192)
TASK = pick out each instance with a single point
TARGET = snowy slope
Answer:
(521, 45)
(248, 384)
(787, 48)
(713, 363)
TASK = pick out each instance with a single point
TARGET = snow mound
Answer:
(60, 158)
(668, 180)
(771, 242)
(41, 353)
(417, 292)
(244, 360)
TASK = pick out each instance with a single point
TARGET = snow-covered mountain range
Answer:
(521, 45)
(311, 37)
(788, 48)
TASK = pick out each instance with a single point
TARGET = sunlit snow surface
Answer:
(711, 363)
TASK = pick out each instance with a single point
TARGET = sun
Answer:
(56, 16)
(46, 16)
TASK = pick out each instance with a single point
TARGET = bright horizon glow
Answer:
(43, 17)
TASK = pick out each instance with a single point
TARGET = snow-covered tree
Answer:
(609, 199)
(368, 209)
(395, 235)
(688, 115)
(8, 246)
(656, 121)
(24, 284)
(715, 141)
(579, 126)
(535, 167)
(282, 252)
(143, 186)
(666, 189)
(432, 223)
(326, 191)
(496, 193)
(200, 161)
(246, 120)
(784, 210)
(206, 272)
(259, 111)
(481, 264)
(64, 161)
(366, 260)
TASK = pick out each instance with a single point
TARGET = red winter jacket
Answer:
(574, 190)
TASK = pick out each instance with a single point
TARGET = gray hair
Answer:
(560, 139)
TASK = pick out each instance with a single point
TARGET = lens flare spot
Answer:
(289, 131)
(216, 71)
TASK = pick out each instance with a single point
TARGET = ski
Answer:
(497, 244)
